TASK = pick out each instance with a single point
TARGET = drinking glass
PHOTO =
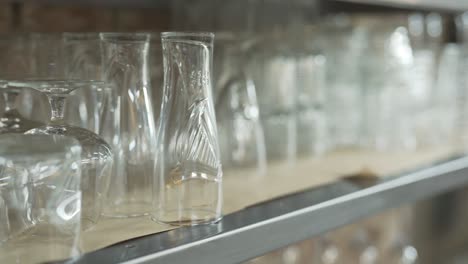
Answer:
(445, 96)
(426, 36)
(273, 69)
(96, 163)
(156, 73)
(462, 35)
(240, 132)
(16, 55)
(125, 65)
(40, 198)
(189, 174)
(311, 118)
(83, 61)
(388, 97)
(343, 48)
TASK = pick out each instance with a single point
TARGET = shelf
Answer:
(102, 3)
(442, 5)
(435, 5)
(262, 228)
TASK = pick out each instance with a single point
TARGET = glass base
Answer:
(87, 224)
(198, 217)
(127, 210)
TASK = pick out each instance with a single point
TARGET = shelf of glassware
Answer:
(441, 5)
(265, 227)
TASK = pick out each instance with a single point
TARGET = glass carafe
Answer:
(190, 175)
(125, 68)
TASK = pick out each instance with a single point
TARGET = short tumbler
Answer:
(40, 198)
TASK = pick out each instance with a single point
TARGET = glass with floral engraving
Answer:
(40, 198)
(96, 154)
(189, 177)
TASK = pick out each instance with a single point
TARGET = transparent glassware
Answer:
(40, 197)
(96, 162)
(17, 61)
(446, 97)
(388, 97)
(125, 65)
(343, 48)
(276, 95)
(240, 131)
(83, 61)
(462, 36)
(189, 188)
(156, 73)
(312, 121)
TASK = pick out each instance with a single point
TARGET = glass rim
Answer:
(132, 37)
(48, 83)
(80, 35)
(23, 145)
(184, 34)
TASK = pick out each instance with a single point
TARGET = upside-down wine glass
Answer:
(96, 156)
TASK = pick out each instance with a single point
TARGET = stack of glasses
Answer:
(103, 152)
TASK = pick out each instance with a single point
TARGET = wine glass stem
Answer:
(10, 99)
(57, 104)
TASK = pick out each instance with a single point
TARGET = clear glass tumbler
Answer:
(83, 61)
(125, 65)
(189, 189)
(240, 131)
(273, 69)
(343, 48)
(312, 136)
(40, 198)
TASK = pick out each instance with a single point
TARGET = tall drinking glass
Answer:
(273, 68)
(83, 61)
(343, 48)
(240, 131)
(189, 177)
(40, 198)
(125, 65)
(311, 118)
(387, 93)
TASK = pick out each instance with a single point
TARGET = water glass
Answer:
(343, 48)
(312, 121)
(86, 107)
(240, 131)
(40, 198)
(388, 95)
(125, 66)
(273, 69)
(189, 187)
